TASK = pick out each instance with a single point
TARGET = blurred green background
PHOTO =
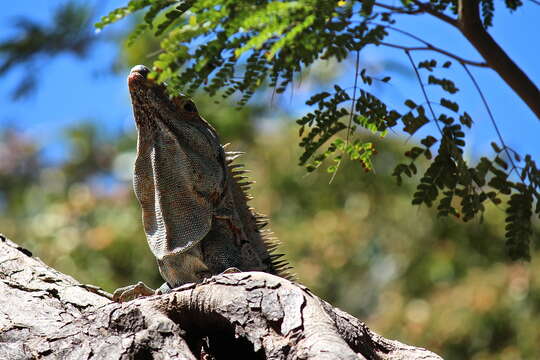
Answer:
(357, 242)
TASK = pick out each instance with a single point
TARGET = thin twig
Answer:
(335, 172)
(402, 32)
(398, 9)
(430, 47)
(492, 119)
(292, 91)
(272, 97)
(356, 67)
(535, 2)
(154, 53)
(428, 9)
(423, 90)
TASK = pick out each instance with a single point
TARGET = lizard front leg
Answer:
(177, 269)
(131, 292)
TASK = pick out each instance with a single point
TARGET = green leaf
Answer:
(445, 84)
(413, 123)
(495, 147)
(427, 64)
(122, 12)
(518, 225)
(501, 163)
(466, 120)
(410, 103)
(428, 141)
(450, 104)
(173, 15)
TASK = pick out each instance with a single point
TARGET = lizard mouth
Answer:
(135, 78)
(138, 83)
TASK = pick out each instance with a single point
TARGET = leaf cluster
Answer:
(232, 48)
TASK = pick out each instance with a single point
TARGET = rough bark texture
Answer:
(48, 315)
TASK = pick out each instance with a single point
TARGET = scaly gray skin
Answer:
(195, 213)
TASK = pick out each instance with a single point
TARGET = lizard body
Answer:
(192, 195)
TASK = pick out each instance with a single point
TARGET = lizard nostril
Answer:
(140, 69)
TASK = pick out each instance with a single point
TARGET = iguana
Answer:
(192, 194)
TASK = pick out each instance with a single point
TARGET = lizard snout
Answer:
(140, 69)
(137, 77)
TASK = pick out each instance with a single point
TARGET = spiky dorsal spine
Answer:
(261, 240)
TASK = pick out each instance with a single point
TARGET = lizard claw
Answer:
(132, 292)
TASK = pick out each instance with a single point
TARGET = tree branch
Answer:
(470, 25)
(472, 28)
(430, 47)
(48, 315)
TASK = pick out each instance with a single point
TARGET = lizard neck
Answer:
(235, 226)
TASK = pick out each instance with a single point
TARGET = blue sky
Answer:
(72, 90)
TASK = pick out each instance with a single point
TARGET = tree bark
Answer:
(48, 315)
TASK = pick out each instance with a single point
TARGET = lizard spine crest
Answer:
(263, 240)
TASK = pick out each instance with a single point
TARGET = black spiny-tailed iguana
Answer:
(194, 205)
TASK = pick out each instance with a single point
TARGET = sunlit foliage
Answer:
(232, 48)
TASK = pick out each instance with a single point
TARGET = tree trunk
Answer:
(48, 315)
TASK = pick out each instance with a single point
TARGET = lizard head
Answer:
(180, 169)
(146, 94)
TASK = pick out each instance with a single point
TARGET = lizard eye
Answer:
(190, 106)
